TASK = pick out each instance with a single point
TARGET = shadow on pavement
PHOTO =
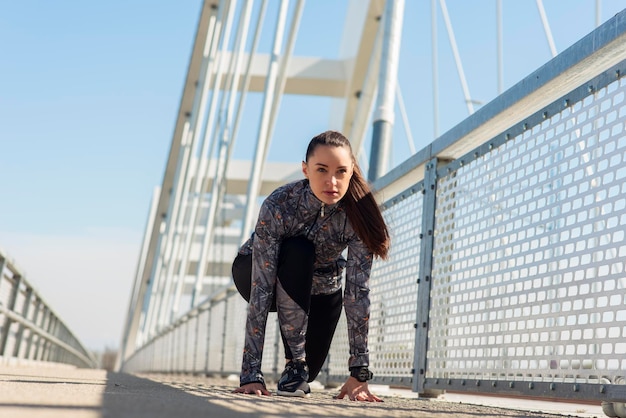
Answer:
(86, 393)
(188, 396)
(129, 396)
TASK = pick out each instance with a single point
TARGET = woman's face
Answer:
(329, 170)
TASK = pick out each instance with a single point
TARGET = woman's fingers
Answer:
(366, 397)
(362, 396)
(252, 389)
(342, 393)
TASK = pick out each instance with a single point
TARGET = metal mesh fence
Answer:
(529, 273)
(29, 329)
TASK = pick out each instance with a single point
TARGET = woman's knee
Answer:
(242, 274)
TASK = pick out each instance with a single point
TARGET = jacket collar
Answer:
(314, 204)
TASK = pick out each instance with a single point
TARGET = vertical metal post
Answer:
(48, 348)
(3, 262)
(45, 354)
(325, 372)
(43, 343)
(178, 341)
(384, 113)
(20, 330)
(167, 356)
(17, 281)
(424, 279)
(172, 353)
(188, 366)
(195, 343)
(56, 351)
(224, 326)
(183, 345)
(39, 340)
(30, 355)
(3, 331)
(208, 340)
(277, 342)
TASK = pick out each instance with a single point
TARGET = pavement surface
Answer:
(66, 392)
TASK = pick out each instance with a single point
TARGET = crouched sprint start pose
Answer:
(292, 264)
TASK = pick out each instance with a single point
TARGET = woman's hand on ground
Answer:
(357, 391)
(253, 389)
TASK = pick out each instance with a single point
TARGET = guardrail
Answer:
(29, 328)
(506, 272)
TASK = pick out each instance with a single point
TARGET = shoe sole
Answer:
(297, 394)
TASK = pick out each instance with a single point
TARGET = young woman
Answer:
(292, 264)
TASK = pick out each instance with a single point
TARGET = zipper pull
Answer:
(322, 210)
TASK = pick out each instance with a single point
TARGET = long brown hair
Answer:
(361, 207)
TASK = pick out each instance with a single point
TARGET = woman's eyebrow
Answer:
(326, 166)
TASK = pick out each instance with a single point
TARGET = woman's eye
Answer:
(321, 170)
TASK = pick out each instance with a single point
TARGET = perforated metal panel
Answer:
(393, 296)
(201, 341)
(528, 277)
(216, 338)
(234, 333)
(273, 352)
(190, 344)
(339, 353)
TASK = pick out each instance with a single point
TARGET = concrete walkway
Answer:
(65, 392)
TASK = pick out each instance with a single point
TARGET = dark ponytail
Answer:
(361, 207)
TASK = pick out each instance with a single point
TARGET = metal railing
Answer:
(506, 273)
(29, 328)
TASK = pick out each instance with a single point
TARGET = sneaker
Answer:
(293, 380)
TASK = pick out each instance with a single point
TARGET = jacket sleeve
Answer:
(265, 246)
(357, 301)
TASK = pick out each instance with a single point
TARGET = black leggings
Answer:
(295, 272)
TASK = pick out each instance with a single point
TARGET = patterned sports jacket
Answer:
(293, 210)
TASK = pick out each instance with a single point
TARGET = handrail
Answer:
(29, 328)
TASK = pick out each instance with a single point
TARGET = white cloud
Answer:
(86, 279)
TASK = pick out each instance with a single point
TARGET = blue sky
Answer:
(89, 93)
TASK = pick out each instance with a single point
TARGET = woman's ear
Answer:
(305, 170)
